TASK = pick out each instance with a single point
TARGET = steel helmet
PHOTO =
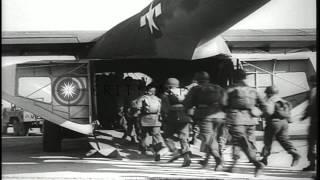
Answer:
(202, 76)
(172, 83)
(271, 90)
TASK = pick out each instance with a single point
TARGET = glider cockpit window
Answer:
(37, 88)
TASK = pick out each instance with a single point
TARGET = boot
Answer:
(176, 156)
(311, 167)
(219, 164)
(157, 157)
(295, 158)
(264, 160)
(204, 163)
(259, 169)
(186, 160)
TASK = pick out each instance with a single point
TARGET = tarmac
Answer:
(23, 158)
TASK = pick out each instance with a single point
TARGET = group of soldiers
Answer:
(221, 115)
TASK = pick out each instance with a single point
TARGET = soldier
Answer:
(132, 127)
(176, 120)
(277, 126)
(312, 113)
(208, 99)
(241, 102)
(149, 107)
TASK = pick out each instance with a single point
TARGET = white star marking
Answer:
(68, 90)
(153, 12)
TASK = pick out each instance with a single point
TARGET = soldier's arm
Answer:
(262, 104)
(138, 105)
(164, 105)
(160, 108)
(188, 102)
(224, 98)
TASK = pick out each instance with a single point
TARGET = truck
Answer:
(21, 121)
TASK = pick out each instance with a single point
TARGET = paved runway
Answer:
(22, 158)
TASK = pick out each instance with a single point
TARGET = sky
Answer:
(52, 15)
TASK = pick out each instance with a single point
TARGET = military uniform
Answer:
(277, 126)
(133, 128)
(312, 112)
(208, 99)
(176, 121)
(130, 110)
(240, 102)
(149, 107)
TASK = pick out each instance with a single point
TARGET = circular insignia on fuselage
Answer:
(68, 90)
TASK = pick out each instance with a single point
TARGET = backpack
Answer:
(282, 110)
(151, 105)
(242, 98)
(209, 94)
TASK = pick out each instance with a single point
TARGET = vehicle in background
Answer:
(21, 121)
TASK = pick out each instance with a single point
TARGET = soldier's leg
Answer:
(215, 147)
(251, 151)
(241, 135)
(283, 138)
(157, 137)
(170, 142)
(235, 145)
(204, 163)
(143, 142)
(195, 131)
(235, 148)
(168, 136)
(138, 127)
(157, 141)
(250, 142)
(312, 143)
(183, 134)
(222, 137)
(268, 139)
(125, 126)
(130, 129)
(206, 136)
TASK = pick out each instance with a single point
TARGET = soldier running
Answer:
(241, 100)
(149, 107)
(277, 126)
(312, 113)
(209, 100)
(176, 120)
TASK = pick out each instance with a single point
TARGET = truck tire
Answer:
(18, 127)
(27, 126)
(52, 137)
